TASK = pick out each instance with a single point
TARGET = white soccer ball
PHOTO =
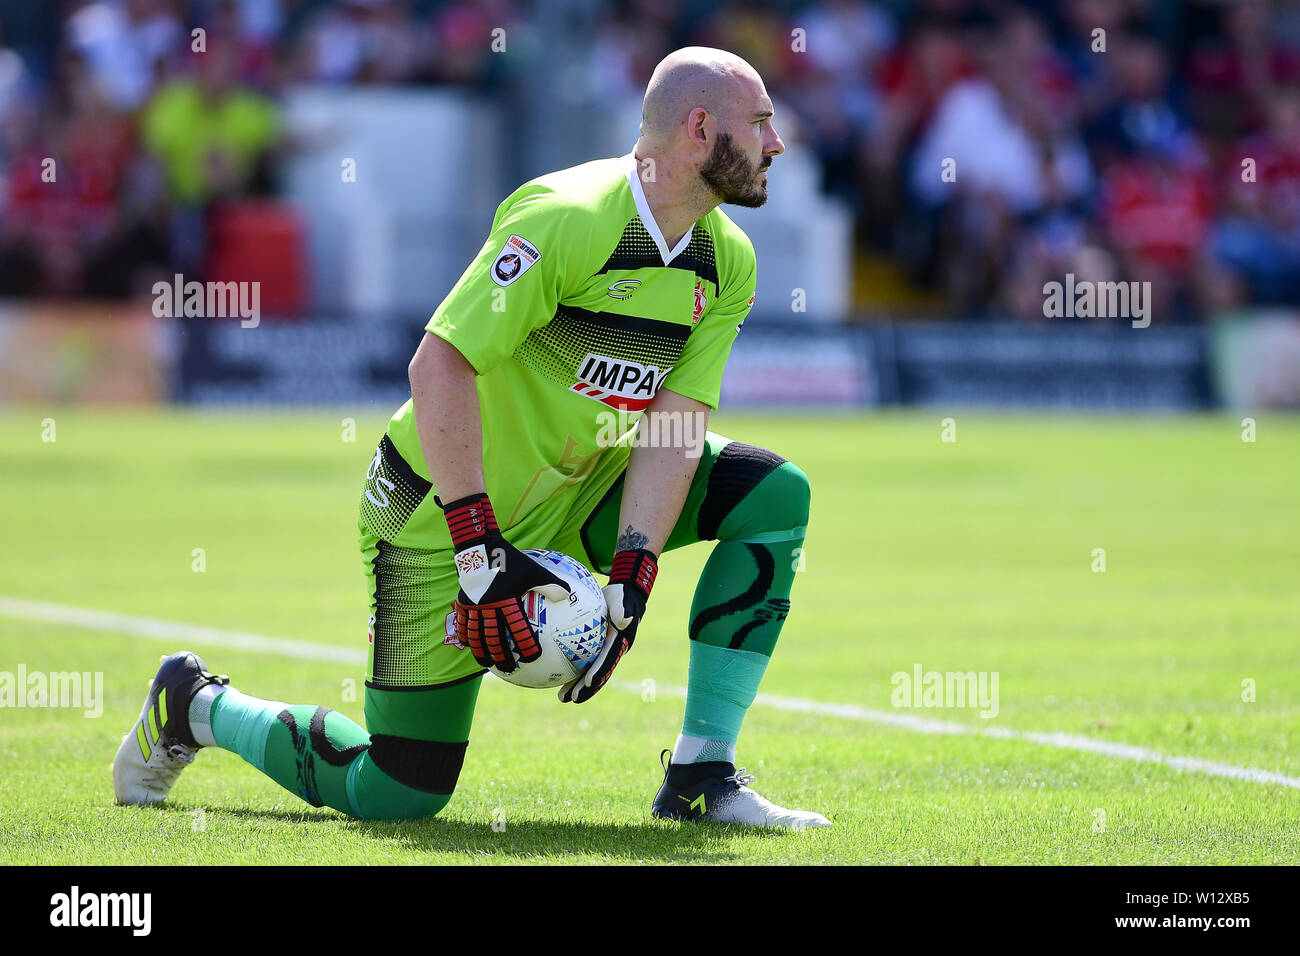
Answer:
(570, 631)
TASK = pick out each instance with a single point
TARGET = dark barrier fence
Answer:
(1056, 366)
(1006, 365)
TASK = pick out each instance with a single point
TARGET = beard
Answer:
(731, 175)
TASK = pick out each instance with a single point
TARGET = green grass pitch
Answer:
(973, 555)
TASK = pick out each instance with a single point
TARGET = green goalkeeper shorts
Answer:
(412, 589)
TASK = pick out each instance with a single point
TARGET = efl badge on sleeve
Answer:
(517, 256)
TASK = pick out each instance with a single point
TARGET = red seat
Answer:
(260, 241)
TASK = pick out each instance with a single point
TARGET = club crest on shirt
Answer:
(701, 300)
(516, 257)
(450, 637)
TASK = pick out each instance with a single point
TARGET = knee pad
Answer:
(429, 766)
(751, 491)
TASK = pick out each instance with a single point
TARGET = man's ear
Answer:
(699, 127)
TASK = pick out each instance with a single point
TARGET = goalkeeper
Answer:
(605, 300)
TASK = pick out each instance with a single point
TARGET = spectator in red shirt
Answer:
(1258, 235)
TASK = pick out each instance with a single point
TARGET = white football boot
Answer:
(160, 745)
(716, 792)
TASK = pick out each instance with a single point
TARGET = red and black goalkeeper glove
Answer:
(494, 575)
(630, 579)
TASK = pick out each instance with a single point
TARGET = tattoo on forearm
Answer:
(632, 540)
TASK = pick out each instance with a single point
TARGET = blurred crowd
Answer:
(125, 123)
(985, 146)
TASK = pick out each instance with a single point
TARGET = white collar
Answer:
(647, 217)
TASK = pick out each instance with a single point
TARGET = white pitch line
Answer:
(176, 631)
(149, 627)
(1058, 739)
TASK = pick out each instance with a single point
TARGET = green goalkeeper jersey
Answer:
(574, 314)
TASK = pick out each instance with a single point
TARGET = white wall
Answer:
(427, 184)
(431, 170)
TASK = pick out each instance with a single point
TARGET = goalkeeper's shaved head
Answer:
(694, 76)
(706, 124)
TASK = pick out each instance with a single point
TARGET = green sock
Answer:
(323, 757)
(739, 608)
(310, 751)
(743, 596)
(721, 685)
